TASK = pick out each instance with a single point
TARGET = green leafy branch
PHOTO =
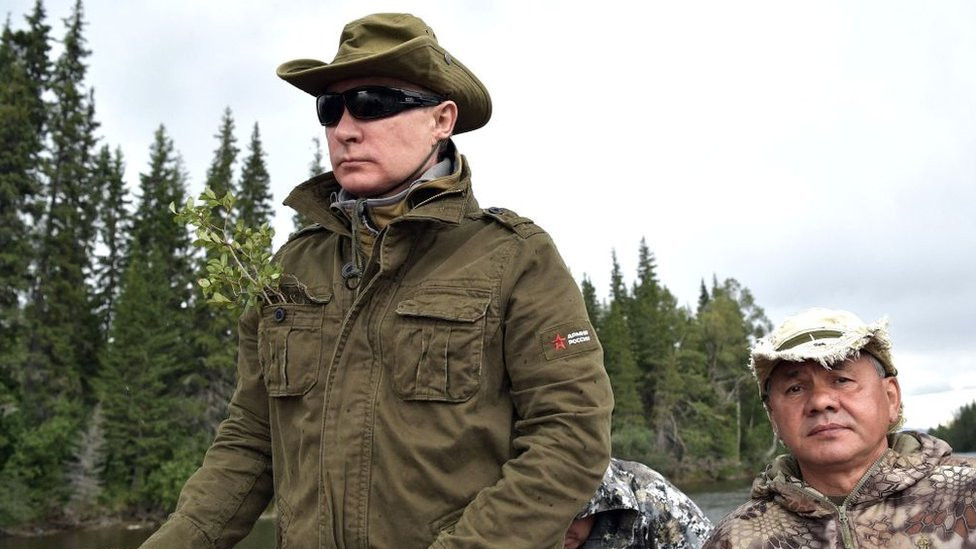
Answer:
(240, 268)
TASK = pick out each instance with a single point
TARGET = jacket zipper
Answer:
(845, 525)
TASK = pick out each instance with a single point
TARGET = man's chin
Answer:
(364, 187)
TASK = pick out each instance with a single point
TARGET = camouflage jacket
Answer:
(916, 495)
(637, 508)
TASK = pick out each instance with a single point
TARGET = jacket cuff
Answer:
(178, 532)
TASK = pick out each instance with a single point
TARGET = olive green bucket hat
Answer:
(824, 335)
(401, 46)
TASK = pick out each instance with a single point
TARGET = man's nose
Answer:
(822, 397)
(347, 128)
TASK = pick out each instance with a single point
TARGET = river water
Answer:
(714, 500)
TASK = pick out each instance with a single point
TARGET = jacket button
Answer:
(279, 314)
(496, 210)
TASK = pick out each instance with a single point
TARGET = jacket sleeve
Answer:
(719, 539)
(562, 399)
(224, 497)
(674, 520)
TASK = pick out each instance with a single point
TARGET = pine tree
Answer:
(315, 167)
(148, 415)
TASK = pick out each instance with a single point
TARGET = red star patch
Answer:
(559, 342)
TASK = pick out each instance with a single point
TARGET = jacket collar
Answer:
(314, 197)
(909, 458)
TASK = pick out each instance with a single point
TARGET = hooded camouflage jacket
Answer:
(453, 392)
(637, 508)
(917, 495)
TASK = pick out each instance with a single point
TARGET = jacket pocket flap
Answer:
(458, 305)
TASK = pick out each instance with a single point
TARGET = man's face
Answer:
(833, 420)
(578, 531)
(372, 158)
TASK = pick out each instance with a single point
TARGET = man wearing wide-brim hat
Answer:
(830, 387)
(433, 379)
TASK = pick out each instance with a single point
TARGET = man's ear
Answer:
(893, 390)
(443, 120)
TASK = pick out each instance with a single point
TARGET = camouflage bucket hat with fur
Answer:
(824, 335)
(401, 46)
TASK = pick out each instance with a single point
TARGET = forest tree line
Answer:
(114, 372)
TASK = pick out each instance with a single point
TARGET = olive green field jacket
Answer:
(455, 398)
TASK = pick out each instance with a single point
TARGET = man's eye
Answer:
(793, 389)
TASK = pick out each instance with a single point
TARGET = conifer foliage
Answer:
(113, 372)
(960, 433)
(214, 333)
(684, 401)
(146, 415)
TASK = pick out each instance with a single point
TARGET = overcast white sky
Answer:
(822, 153)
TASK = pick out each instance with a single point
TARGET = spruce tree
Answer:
(254, 205)
(114, 228)
(677, 412)
(315, 167)
(960, 432)
(220, 174)
(703, 296)
(648, 311)
(649, 323)
(147, 412)
(630, 436)
(85, 471)
(64, 335)
(729, 323)
(214, 330)
(594, 309)
(34, 47)
(61, 345)
(19, 146)
(24, 68)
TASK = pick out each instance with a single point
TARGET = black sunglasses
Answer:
(370, 102)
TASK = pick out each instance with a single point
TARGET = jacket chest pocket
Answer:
(439, 342)
(290, 347)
